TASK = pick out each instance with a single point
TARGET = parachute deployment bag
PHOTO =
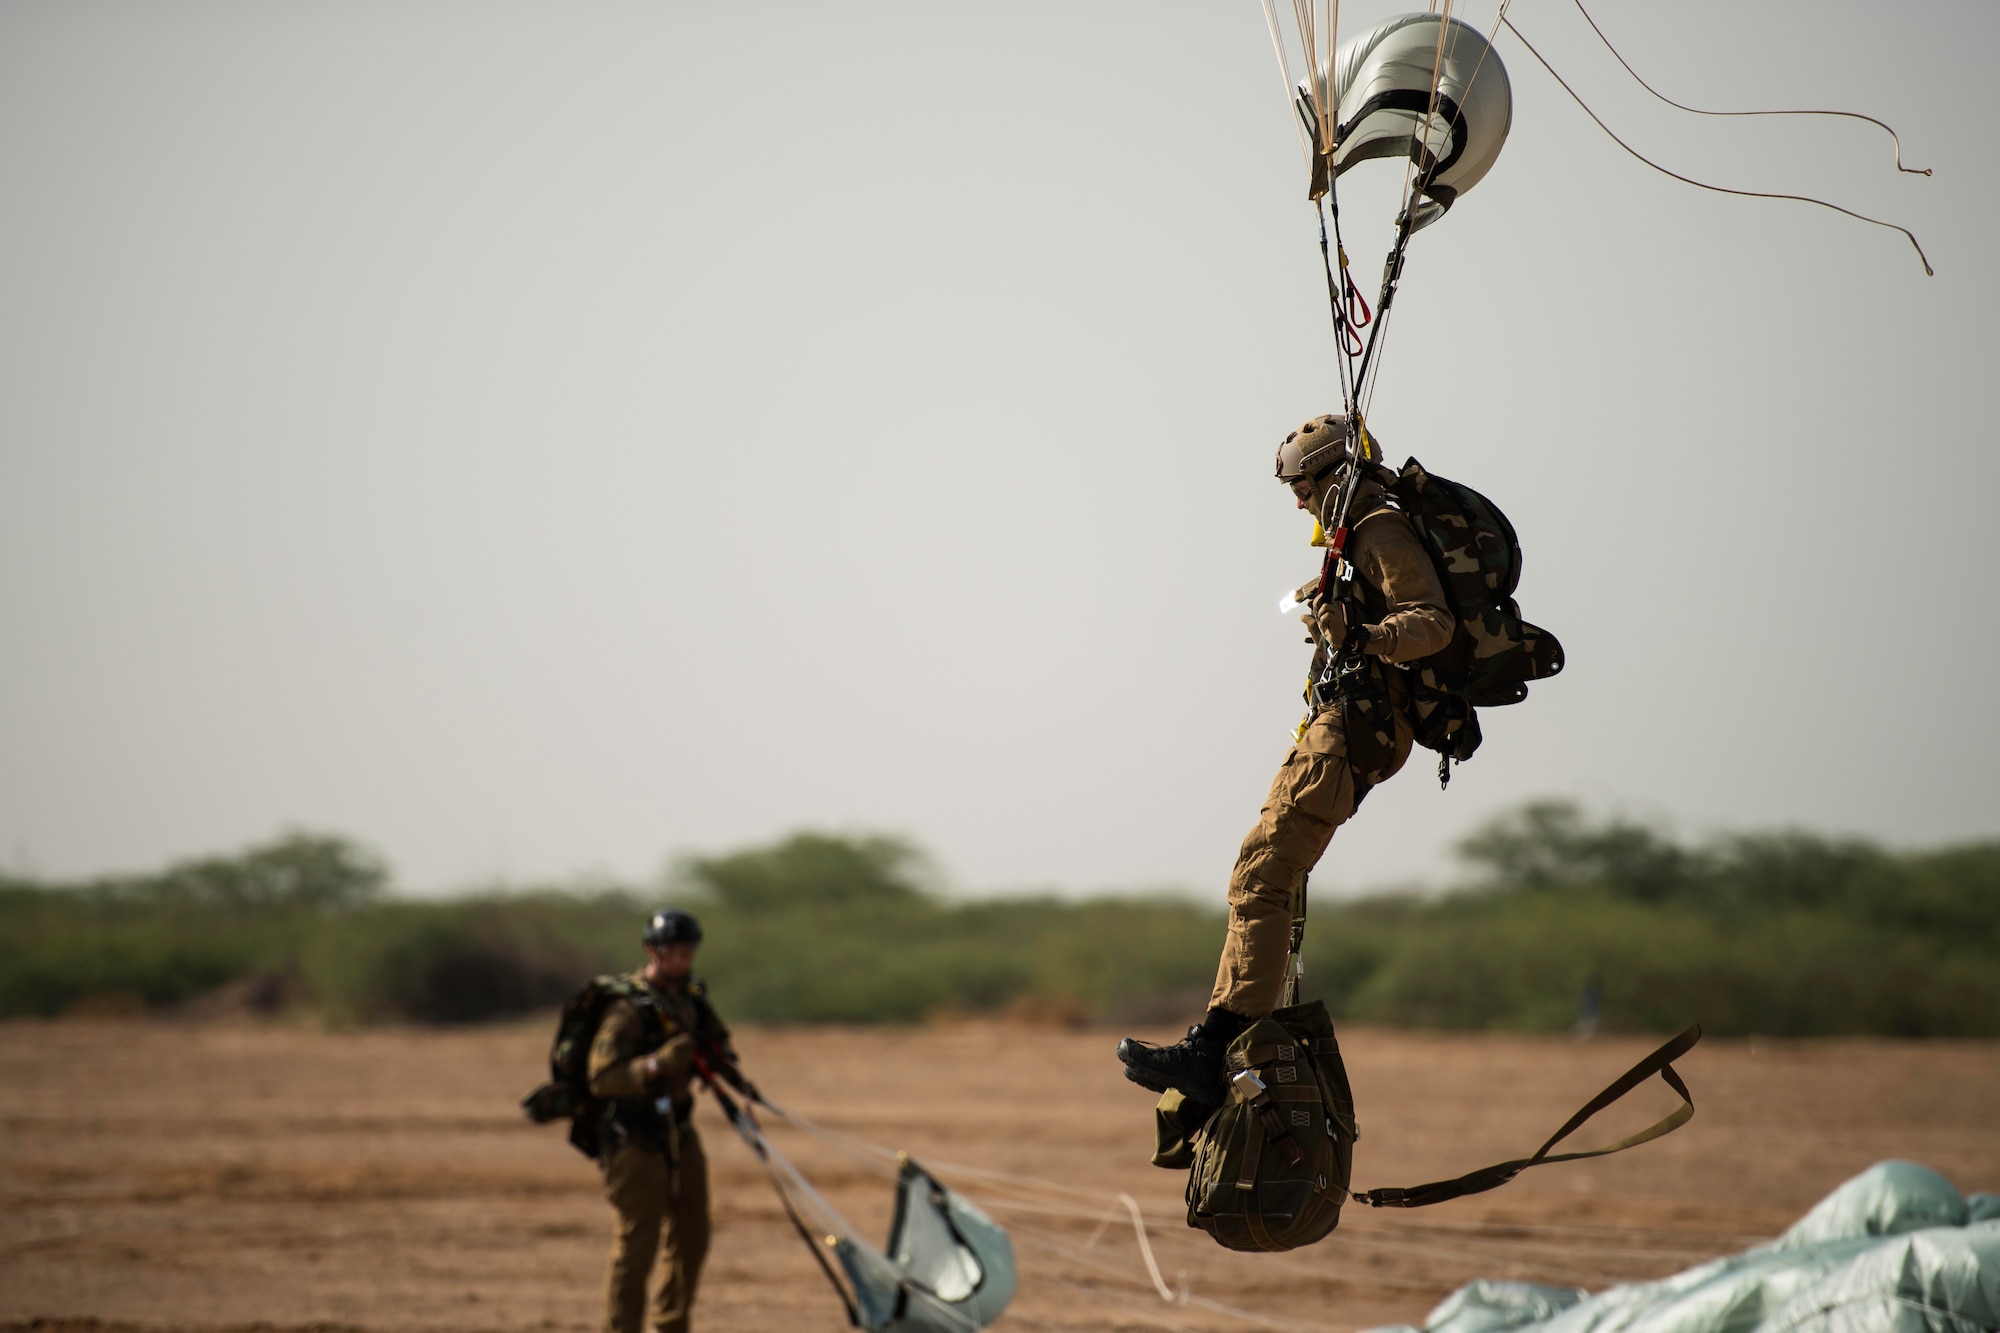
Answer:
(1493, 653)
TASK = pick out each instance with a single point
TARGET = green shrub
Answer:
(1779, 933)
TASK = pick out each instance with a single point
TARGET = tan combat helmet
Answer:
(1313, 449)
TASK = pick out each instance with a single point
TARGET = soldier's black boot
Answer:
(1191, 1066)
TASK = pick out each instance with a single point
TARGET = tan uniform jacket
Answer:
(1414, 620)
(626, 1059)
(1388, 553)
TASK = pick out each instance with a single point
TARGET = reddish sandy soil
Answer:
(155, 1176)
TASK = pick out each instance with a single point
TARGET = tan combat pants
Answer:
(655, 1216)
(1312, 796)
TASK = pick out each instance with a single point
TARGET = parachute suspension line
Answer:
(1414, 179)
(1929, 272)
(1392, 266)
(1392, 269)
(1332, 79)
(1319, 60)
(1313, 20)
(1285, 73)
(753, 1135)
(1699, 111)
(1317, 25)
(1423, 142)
(1316, 138)
(1499, 18)
(783, 1173)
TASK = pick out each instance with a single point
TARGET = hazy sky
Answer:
(539, 438)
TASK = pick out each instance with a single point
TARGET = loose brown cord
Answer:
(1699, 111)
(1719, 189)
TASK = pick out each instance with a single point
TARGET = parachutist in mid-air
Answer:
(1356, 736)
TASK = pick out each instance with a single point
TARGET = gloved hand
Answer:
(1331, 617)
(1329, 620)
(669, 1062)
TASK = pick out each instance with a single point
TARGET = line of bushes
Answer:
(1779, 934)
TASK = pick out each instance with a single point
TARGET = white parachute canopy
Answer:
(1421, 86)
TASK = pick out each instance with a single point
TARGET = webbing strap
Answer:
(1258, 1231)
(1252, 1150)
(1253, 1213)
(1266, 1052)
(1491, 1177)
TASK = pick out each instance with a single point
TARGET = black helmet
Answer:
(672, 927)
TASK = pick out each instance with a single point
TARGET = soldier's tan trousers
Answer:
(655, 1217)
(1312, 796)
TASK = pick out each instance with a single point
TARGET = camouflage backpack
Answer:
(1493, 653)
(566, 1096)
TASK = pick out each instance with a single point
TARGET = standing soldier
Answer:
(1350, 743)
(642, 1061)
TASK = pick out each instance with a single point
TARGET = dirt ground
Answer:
(156, 1176)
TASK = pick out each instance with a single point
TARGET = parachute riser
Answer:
(1341, 299)
(1392, 276)
(1337, 572)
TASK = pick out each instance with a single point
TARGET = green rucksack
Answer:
(566, 1096)
(1493, 653)
(1270, 1169)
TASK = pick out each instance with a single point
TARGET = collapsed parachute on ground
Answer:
(1422, 87)
(947, 1266)
(1896, 1248)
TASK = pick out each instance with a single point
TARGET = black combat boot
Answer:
(1191, 1066)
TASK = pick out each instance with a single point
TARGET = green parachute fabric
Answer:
(1894, 1250)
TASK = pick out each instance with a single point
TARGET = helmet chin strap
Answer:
(1329, 495)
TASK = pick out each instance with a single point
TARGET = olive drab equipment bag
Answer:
(1493, 653)
(1271, 1167)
